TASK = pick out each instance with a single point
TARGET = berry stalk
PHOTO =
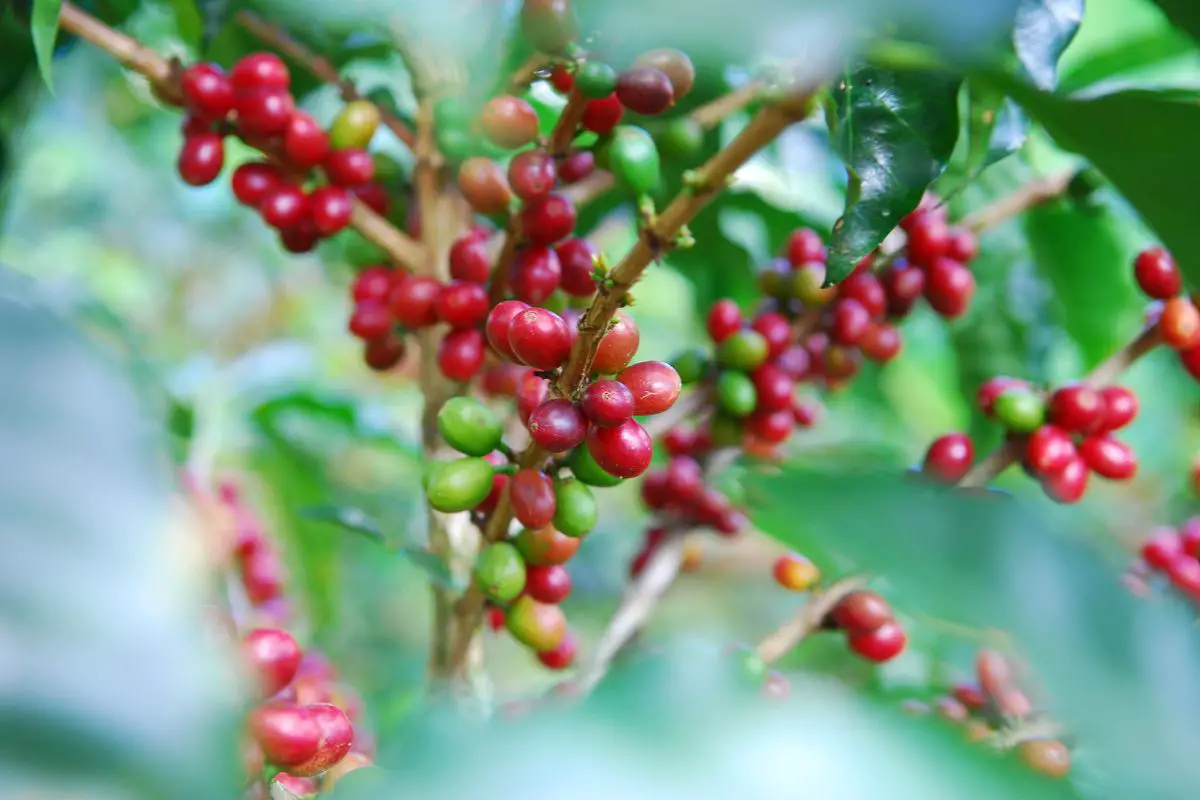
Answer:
(807, 620)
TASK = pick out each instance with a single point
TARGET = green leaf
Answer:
(1151, 49)
(1118, 671)
(1183, 14)
(895, 131)
(434, 568)
(44, 27)
(112, 682)
(188, 22)
(1042, 30)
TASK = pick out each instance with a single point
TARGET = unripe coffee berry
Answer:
(1020, 409)
(795, 573)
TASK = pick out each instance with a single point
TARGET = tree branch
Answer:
(711, 113)
(321, 68)
(526, 74)
(567, 125)
(807, 620)
(1031, 195)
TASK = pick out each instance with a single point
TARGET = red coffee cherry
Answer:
(264, 112)
(259, 70)
(548, 584)
(193, 125)
(305, 142)
(1179, 323)
(532, 174)
(645, 90)
(531, 493)
(273, 656)
(509, 122)
(804, 246)
(880, 342)
(903, 284)
(337, 737)
(1190, 360)
(683, 480)
(949, 287)
(607, 403)
(384, 353)
(1069, 484)
(548, 219)
(413, 301)
(469, 260)
(949, 457)
(539, 338)
(207, 91)
(531, 392)
(370, 320)
(562, 656)
(498, 320)
(880, 645)
(577, 260)
(1120, 407)
(484, 185)
(849, 323)
(462, 305)
(962, 246)
(557, 426)
(576, 166)
(286, 207)
(655, 385)
(1162, 548)
(617, 346)
(536, 273)
(1076, 408)
(861, 612)
(460, 354)
(330, 208)
(373, 283)
(795, 573)
(300, 238)
(1109, 458)
(771, 427)
(775, 388)
(928, 241)
(1184, 574)
(602, 116)
(253, 181)
(373, 196)
(1049, 449)
(201, 159)
(288, 734)
(349, 167)
(624, 451)
(777, 330)
(562, 79)
(724, 320)
(1157, 274)
(868, 290)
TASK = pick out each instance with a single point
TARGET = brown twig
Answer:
(807, 620)
(504, 260)
(585, 191)
(567, 125)
(527, 73)
(321, 68)
(712, 112)
(1031, 195)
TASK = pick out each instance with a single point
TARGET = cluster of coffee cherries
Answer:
(1173, 553)
(987, 706)
(308, 182)
(306, 723)
(1174, 315)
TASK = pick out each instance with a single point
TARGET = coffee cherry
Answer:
(383, 353)
(462, 305)
(1076, 408)
(469, 260)
(683, 480)
(562, 79)
(949, 457)
(1109, 457)
(861, 612)
(645, 90)
(262, 576)
(903, 284)
(305, 143)
(498, 321)
(736, 395)
(536, 273)
(724, 320)
(773, 388)
(557, 425)
(601, 116)
(201, 159)
(509, 122)
(1019, 409)
(867, 290)
(1049, 449)
(776, 330)
(545, 546)
(253, 181)
(562, 656)
(1163, 547)
(1179, 323)
(500, 572)
(744, 351)
(273, 656)
(484, 185)
(288, 734)
(538, 626)
(207, 92)
(617, 346)
(355, 125)
(336, 739)
(286, 207)
(1047, 756)
(539, 338)
(532, 174)
(264, 112)
(370, 320)
(413, 301)
(548, 25)
(882, 644)
(808, 287)
(585, 468)
(1069, 483)
(469, 426)
(805, 246)
(532, 495)
(1120, 408)
(675, 65)
(193, 125)
(624, 450)
(373, 196)
(607, 403)
(850, 321)
(549, 584)
(633, 159)
(1190, 360)
(595, 79)
(655, 386)
(460, 354)
(259, 70)
(880, 342)
(1157, 274)
(962, 246)
(795, 573)
(349, 167)
(330, 208)
(577, 260)
(949, 287)
(576, 166)
(928, 241)
(1184, 574)
(548, 219)
(531, 393)
(459, 485)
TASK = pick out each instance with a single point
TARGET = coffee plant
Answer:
(641, 399)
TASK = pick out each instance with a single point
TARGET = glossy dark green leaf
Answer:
(895, 131)
(1119, 671)
(44, 28)
(1184, 14)
(1041, 33)
(995, 128)
(113, 686)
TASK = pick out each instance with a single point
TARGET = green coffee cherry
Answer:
(682, 139)
(595, 79)
(584, 467)
(633, 158)
(690, 364)
(1020, 410)
(575, 513)
(355, 125)
(745, 350)
(469, 426)
(736, 395)
(459, 485)
(726, 431)
(500, 572)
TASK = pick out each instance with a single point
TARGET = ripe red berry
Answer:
(259, 70)
(495, 618)
(462, 305)
(602, 115)
(469, 260)
(330, 208)
(576, 166)
(373, 196)
(776, 330)
(460, 354)
(1108, 457)
(962, 246)
(1179, 323)
(536, 273)
(264, 112)
(949, 287)
(1076, 408)
(384, 353)
(607, 403)
(624, 451)
(413, 301)
(868, 290)
(849, 322)
(1190, 360)
(201, 159)
(774, 387)
(1184, 574)
(207, 91)
(1157, 274)
(861, 612)
(617, 346)
(253, 181)
(985, 397)
(683, 480)
(509, 122)
(548, 219)
(795, 573)
(193, 125)
(903, 284)
(305, 142)
(498, 320)
(645, 90)
(655, 385)
(881, 342)
(548, 584)
(532, 174)
(557, 425)
(286, 207)
(531, 493)
(273, 656)
(882, 644)
(928, 240)
(577, 260)
(1069, 483)
(370, 320)
(300, 238)
(724, 320)
(771, 427)
(373, 283)
(1162, 548)
(1120, 408)
(539, 338)
(805, 246)
(563, 655)
(949, 457)
(1049, 449)
(288, 734)
(349, 167)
